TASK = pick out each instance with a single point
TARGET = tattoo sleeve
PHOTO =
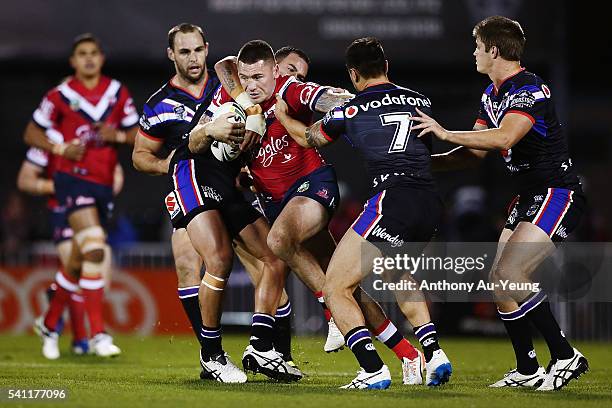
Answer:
(329, 100)
(228, 75)
(314, 137)
(199, 142)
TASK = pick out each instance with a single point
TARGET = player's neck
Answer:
(194, 88)
(89, 82)
(374, 81)
(504, 71)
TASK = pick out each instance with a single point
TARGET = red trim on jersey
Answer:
(551, 192)
(148, 136)
(525, 114)
(329, 139)
(186, 91)
(496, 89)
(481, 122)
(378, 83)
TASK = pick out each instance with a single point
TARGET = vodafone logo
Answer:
(350, 112)
(546, 91)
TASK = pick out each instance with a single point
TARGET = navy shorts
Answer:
(557, 211)
(59, 224)
(398, 215)
(74, 193)
(198, 188)
(321, 185)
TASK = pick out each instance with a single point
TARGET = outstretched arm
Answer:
(331, 98)
(305, 136)
(35, 136)
(31, 180)
(145, 156)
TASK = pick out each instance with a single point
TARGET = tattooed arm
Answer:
(305, 136)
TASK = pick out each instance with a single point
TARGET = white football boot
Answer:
(412, 370)
(561, 372)
(220, 368)
(50, 339)
(335, 339)
(515, 379)
(269, 363)
(102, 345)
(379, 380)
(438, 369)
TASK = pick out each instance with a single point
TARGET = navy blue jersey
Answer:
(171, 113)
(541, 158)
(377, 123)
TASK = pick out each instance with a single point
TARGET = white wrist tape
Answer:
(256, 123)
(244, 100)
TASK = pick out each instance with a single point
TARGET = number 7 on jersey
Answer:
(403, 127)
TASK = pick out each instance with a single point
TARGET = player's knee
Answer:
(220, 265)
(279, 242)
(92, 243)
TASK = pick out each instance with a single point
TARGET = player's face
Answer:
(258, 79)
(189, 56)
(87, 60)
(484, 59)
(294, 65)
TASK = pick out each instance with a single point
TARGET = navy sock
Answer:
(191, 305)
(211, 341)
(282, 331)
(428, 337)
(360, 342)
(262, 331)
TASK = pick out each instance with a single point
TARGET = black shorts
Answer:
(321, 185)
(59, 224)
(198, 188)
(557, 211)
(74, 193)
(398, 215)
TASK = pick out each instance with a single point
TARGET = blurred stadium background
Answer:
(429, 46)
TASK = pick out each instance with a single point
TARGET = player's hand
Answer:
(281, 109)
(255, 128)
(428, 125)
(244, 181)
(107, 133)
(250, 139)
(223, 130)
(74, 150)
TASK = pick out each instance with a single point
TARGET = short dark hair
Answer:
(284, 52)
(505, 34)
(184, 28)
(83, 38)
(367, 56)
(255, 50)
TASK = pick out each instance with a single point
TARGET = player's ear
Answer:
(276, 70)
(170, 54)
(386, 67)
(494, 51)
(205, 50)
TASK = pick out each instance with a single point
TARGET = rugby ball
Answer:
(223, 151)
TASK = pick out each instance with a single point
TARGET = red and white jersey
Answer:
(279, 161)
(75, 112)
(47, 162)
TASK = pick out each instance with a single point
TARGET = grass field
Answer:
(163, 371)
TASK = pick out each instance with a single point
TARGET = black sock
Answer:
(191, 305)
(262, 331)
(211, 341)
(359, 341)
(542, 318)
(519, 331)
(282, 331)
(428, 337)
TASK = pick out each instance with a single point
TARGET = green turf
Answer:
(163, 371)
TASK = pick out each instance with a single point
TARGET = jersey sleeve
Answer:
(48, 112)
(481, 117)
(333, 124)
(151, 124)
(529, 101)
(301, 96)
(37, 157)
(219, 98)
(128, 114)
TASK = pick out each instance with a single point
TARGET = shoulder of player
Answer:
(530, 82)
(283, 82)
(158, 96)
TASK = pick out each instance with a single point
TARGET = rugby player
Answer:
(93, 114)
(300, 188)
(208, 217)
(404, 203)
(517, 118)
(35, 177)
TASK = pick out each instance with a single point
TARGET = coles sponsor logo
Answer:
(546, 91)
(269, 150)
(172, 205)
